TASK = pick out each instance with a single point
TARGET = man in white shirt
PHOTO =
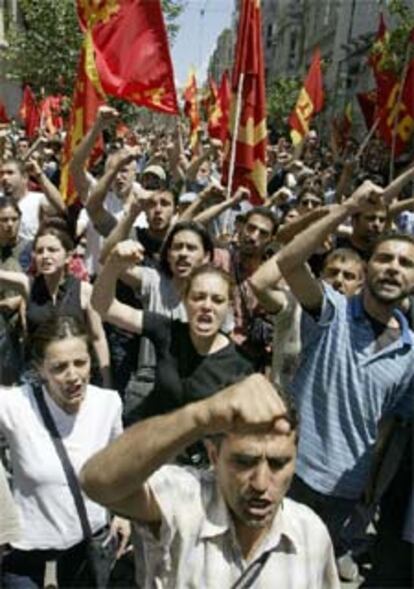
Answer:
(14, 183)
(224, 528)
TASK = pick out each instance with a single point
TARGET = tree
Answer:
(281, 99)
(44, 50)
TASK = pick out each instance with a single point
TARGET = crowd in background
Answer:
(182, 290)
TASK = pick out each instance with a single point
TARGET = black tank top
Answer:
(41, 308)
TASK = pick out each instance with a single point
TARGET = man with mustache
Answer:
(227, 527)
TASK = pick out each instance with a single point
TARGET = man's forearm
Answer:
(122, 468)
(299, 250)
(120, 232)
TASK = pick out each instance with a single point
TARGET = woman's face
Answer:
(50, 255)
(207, 304)
(65, 370)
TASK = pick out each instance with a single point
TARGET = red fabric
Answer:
(250, 162)
(368, 104)
(213, 111)
(85, 103)
(132, 53)
(224, 97)
(29, 112)
(3, 114)
(51, 114)
(311, 98)
(191, 109)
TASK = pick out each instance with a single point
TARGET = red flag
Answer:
(368, 104)
(224, 97)
(131, 51)
(87, 98)
(310, 101)
(213, 111)
(250, 157)
(3, 114)
(191, 109)
(51, 114)
(29, 112)
(399, 113)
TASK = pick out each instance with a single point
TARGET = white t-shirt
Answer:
(94, 240)
(30, 206)
(46, 508)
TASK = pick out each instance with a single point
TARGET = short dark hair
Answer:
(196, 228)
(209, 269)
(8, 201)
(264, 212)
(17, 163)
(344, 253)
(60, 234)
(392, 236)
(54, 330)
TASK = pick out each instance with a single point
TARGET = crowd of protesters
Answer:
(150, 304)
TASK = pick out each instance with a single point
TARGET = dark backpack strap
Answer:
(252, 573)
(70, 474)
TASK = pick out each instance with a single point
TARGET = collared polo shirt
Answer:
(197, 547)
(342, 388)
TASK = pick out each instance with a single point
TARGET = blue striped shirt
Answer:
(342, 389)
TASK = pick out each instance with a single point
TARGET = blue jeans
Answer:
(25, 569)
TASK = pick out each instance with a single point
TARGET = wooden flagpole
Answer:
(232, 164)
(367, 138)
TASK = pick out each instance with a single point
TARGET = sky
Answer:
(200, 24)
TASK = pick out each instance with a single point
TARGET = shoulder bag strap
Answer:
(70, 474)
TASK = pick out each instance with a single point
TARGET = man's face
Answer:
(256, 234)
(254, 473)
(151, 181)
(390, 271)
(186, 253)
(125, 179)
(160, 211)
(345, 276)
(9, 226)
(309, 202)
(369, 226)
(12, 181)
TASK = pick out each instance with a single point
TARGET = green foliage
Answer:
(45, 50)
(281, 98)
(397, 41)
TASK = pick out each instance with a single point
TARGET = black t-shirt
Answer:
(182, 375)
(346, 242)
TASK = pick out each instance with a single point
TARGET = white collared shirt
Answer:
(197, 547)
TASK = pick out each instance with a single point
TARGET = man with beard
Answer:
(227, 527)
(356, 365)
(245, 258)
(367, 226)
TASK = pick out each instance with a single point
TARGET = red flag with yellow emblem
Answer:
(250, 157)
(310, 101)
(213, 111)
(224, 97)
(87, 98)
(131, 51)
(191, 107)
(395, 105)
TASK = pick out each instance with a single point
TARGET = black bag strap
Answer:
(252, 573)
(66, 463)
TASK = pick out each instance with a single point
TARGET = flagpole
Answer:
(232, 163)
(400, 93)
(367, 138)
